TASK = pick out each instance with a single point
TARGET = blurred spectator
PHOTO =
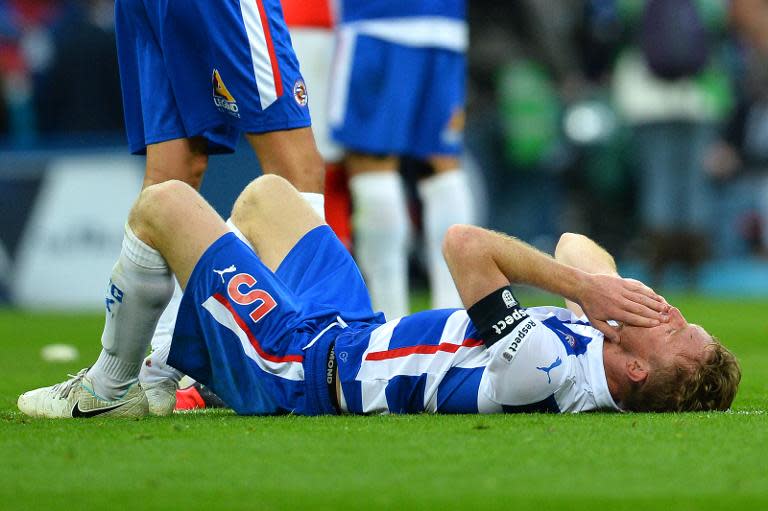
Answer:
(58, 68)
(524, 63)
(739, 160)
(24, 51)
(80, 91)
(670, 87)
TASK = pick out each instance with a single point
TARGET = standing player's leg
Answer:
(381, 229)
(446, 200)
(183, 159)
(445, 196)
(293, 155)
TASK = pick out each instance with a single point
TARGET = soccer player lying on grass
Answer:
(291, 330)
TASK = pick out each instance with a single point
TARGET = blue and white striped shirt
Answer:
(435, 361)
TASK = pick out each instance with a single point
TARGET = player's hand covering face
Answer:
(668, 340)
(627, 301)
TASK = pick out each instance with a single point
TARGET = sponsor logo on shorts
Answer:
(222, 98)
(300, 92)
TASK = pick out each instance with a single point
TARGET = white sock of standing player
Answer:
(139, 290)
(155, 368)
(381, 228)
(446, 200)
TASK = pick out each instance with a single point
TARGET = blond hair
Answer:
(691, 386)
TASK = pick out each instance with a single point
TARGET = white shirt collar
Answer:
(597, 378)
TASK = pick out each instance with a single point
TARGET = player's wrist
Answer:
(576, 284)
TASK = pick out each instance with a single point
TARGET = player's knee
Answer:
(155, 203)
(461, 242)
(260, 192)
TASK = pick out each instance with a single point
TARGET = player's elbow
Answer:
(566, 242)
(462, 243)
(570, 237)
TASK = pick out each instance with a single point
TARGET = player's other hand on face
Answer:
(627, 301)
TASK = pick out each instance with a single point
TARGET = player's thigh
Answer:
(184, 159)
(274, 217)
(291, 154)
(177, 221)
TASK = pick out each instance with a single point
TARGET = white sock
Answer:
(155, 368)
(317, 201)
(381, 228)
(139, 289)
(446, 200)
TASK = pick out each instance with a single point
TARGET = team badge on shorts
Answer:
(453, 132)
(300, 92)
(222, 98)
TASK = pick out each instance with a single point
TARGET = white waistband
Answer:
(339, 322)
(422, 31)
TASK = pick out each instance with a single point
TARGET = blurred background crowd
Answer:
(621, 119)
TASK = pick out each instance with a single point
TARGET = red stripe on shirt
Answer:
(271, 49)
(252, 338)
(422, 350)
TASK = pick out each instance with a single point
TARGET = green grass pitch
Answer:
(221, 461)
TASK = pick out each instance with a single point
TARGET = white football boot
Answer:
(161, 396)
(75, 398)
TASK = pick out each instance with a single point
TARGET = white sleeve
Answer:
(528, 361)
(527, 365)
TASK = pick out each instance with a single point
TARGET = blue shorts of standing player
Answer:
(208, 69)
(392, 98)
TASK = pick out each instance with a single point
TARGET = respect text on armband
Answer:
(511, 320)
(510, 351)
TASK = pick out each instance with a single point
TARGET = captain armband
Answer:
(496, 315)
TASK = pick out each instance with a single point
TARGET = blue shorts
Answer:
(260, 340)
(398, 99)
(205, 68)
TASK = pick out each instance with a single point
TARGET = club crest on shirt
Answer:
(300, 93)
(222, 98)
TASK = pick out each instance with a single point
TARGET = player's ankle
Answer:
(111, 377)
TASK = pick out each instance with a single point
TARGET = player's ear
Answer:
(637, 370)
